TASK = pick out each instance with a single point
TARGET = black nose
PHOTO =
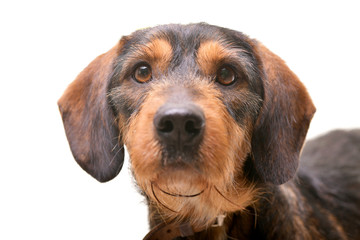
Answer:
(180, 126)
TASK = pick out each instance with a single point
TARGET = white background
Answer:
(44, 194)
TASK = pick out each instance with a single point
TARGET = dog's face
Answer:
(205, 112)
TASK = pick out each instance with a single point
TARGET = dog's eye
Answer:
(225, 75)
(143, 73)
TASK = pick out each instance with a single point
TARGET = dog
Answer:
(214, 124)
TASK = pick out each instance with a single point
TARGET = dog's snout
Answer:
(179, 125)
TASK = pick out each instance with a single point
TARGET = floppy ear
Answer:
(89, 123)
(281, 127)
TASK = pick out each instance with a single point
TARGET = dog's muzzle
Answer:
(180, 129)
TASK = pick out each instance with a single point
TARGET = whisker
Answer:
(255, 215)
(152, 189)
(217, 190)
(180, 195)
(117, 152)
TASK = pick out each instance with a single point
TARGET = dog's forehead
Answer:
(184, 40)
(183, 36)
(187, 49)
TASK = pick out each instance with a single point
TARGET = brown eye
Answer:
(225, 76)
(143, 73)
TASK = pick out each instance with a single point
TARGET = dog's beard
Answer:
(194, 186)
(183, 197)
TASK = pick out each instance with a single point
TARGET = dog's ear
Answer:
(281, 127)
(89, 122)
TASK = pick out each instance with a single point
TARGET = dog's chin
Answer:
(179, 196)
(180, 182)
(190, 197)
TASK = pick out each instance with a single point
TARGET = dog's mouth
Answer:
(172, 159)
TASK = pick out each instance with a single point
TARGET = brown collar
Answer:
(165, 231)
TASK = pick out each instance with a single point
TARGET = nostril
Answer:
(179, 125)
(191, 128)
(166, 127)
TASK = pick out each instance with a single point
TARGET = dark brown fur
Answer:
(245, 164)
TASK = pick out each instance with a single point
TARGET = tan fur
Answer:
(222, 154)
(158, 52)
(268, 105)
(210, 55)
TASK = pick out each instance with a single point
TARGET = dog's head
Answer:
(205, 113)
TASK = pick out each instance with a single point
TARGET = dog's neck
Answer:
(237, 224)
(273, 215)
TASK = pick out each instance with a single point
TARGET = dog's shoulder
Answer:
(330, 164)
(333, 155)
(323, 195)
(329, 180)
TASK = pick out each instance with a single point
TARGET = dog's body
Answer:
(214, 124)
(322, 201)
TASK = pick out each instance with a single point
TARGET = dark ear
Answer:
(281, 127)
(89, 123)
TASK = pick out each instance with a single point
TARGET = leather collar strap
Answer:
(170, 231)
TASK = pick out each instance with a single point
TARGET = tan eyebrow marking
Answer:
(158, 52)
(210, 54)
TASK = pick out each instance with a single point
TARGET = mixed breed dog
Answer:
(214, 124)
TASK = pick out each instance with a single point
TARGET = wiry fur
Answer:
(223, 139)
(245, 163)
